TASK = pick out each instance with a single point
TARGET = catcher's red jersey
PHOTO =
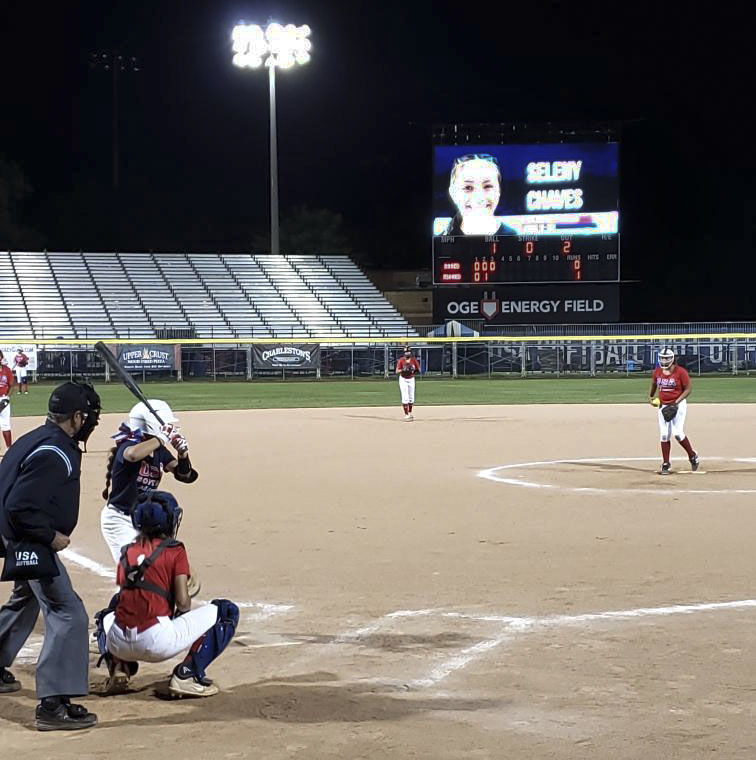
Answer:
(408, 367)
(671, 386)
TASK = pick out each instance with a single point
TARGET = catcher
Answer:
(407, 367)
(150, 619)
(673, 384)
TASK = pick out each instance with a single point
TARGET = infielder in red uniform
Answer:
(674, 386)
(407, 367)
(20, 363)
(6, 384)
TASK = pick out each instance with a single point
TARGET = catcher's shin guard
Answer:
(211, 644)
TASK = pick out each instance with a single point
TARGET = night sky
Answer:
(355, 126)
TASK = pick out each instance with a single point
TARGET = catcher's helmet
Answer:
(157, 512)
(141, 418)
(666, 357)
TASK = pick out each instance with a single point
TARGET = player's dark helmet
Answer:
(666, 358)
(157, 513)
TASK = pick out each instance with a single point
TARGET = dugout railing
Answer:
(475, 356)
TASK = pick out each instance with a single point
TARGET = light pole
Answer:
(276, 46)
(116, 64)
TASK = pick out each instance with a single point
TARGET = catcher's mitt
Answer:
(669, 412)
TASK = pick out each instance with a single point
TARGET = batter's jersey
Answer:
(138, 608)
(129, 479)
(408, 367)
(671, 386)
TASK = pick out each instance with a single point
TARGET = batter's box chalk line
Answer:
(513, 628)
(494, 474)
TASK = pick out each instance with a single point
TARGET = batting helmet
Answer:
(666, 357)
(157, 512)
(141, 418)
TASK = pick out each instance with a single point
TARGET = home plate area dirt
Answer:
(484, 582)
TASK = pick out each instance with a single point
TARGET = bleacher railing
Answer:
(522, 351)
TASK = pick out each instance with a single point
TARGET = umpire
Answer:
(39, 504)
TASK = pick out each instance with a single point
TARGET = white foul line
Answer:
(491, 474)
(519, 625)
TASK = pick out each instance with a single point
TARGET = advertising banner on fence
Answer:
(146, 357)
(526, 304)
(295, 356)
(29, 350)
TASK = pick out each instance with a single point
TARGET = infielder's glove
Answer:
(4, 402)
(193, 585)
(669, 412)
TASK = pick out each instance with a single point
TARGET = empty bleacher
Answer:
(141, 295)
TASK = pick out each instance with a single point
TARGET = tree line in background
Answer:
(88, 218)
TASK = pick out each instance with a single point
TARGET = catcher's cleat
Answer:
(665, 469)
(191, 687)
(8, 682)
(694, 462)
(119, 675)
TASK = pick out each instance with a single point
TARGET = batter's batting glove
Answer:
(5, 401)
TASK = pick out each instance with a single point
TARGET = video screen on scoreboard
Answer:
(525, 213)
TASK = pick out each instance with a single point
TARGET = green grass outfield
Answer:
(430, 391)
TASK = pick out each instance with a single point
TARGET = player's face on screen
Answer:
(474, 187)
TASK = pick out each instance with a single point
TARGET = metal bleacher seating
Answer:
(15, 321)
(206, 295)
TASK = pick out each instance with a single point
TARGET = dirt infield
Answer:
(408, 594)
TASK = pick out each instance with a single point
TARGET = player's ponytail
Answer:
(109, 472)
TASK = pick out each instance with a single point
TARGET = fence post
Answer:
(214, 376)
(385, 361)
(488, 357)
(593, 358)
(249, 362)
(698, 351)
(351, 361)
(523, 359)
(454, 359)
(70, 362)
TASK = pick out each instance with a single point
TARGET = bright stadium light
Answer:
(276, 46)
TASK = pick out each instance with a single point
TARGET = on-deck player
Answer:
(20, 363)
(6, 384)
(407, 367)
(136, 465)
(151, 618)
(673, 384)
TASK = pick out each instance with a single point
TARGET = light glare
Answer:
(277, 45)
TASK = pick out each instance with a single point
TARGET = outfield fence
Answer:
(576, 354)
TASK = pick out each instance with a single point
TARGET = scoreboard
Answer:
(510, 259)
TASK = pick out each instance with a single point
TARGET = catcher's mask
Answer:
(666, 358)
(157, 512)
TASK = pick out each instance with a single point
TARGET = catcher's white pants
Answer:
(162, 641)
(20, 374)
(117, 530)
(675, 427)
(407, 388)
(5, 417)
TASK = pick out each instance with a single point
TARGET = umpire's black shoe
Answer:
(7, 682)
(694, 462)
(65, 717)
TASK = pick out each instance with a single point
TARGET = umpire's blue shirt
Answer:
(40, 485)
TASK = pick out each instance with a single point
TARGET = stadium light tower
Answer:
(276, 46)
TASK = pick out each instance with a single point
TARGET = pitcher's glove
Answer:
(669, 412)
